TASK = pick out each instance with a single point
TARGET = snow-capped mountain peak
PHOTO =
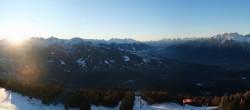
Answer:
(231, 37)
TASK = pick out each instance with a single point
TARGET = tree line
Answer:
(83, 98)
(46, 92)
(124, 98)
(238, 101)
(80, 98)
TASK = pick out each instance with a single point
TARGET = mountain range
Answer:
(198, 63)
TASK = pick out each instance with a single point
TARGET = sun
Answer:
(16, 40)
(18, 31)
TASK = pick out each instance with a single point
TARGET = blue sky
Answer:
(137, 19)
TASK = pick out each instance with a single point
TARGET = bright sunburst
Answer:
(17, 40)
(18, 31)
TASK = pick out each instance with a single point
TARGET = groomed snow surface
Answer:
(14, 101)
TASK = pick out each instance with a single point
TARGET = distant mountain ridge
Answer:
(219, 38)
(222, 48)
(128, 63)
(228, 50)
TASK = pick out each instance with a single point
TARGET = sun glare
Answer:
(16, 41)
(17, 31)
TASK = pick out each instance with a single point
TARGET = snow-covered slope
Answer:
(14, 101)
(231, 36)
(228, 50)
(217, 40)
(93, 107)
(165, 106)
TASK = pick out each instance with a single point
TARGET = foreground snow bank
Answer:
(93, 107)
(14, 101)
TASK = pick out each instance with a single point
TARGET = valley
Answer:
(178, 66)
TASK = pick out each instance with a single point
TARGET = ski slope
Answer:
(165, 106)
(14, 101)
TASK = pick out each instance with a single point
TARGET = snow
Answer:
(129, 82)
(112, 61)
(105, 61)
(134, 48)
(62, 62)
(240, 38)
(81, 62)
(126, 58)
(14, 101)
(199, 84)
(165, 106)
(94, 107)
(146, 60)
(231, 36)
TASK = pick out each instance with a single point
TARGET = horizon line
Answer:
(128, 38)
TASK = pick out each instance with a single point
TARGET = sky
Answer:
(137, 19)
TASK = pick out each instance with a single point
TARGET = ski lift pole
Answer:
(206, 106)
(140, 102)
